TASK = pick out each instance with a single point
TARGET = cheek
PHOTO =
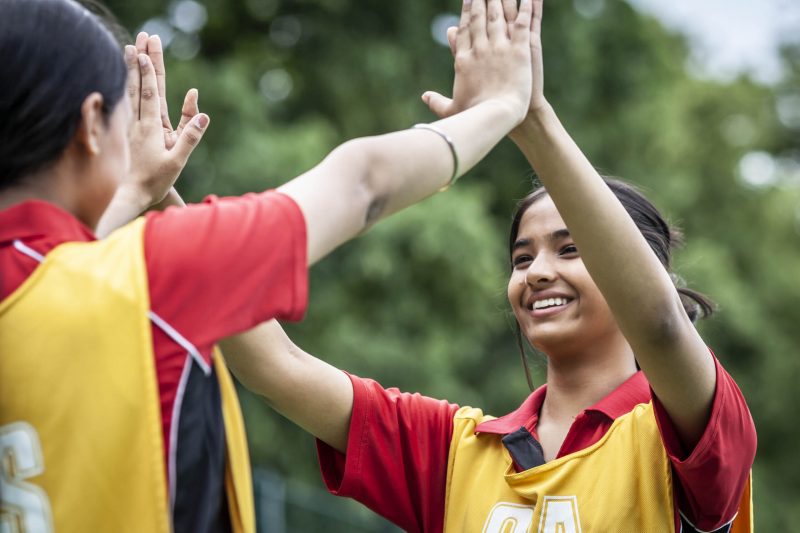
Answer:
(516, 286)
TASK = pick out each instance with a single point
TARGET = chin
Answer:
(549, 340)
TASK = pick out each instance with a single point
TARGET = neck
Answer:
(578, 382)
(55, 185)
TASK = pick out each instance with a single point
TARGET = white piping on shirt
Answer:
(164, 326)
(27, 250)
(173, 432)
(720, 528)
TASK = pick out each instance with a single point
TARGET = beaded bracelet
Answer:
(452, 146)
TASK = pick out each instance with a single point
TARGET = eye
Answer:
(569, 249)
(521, 260)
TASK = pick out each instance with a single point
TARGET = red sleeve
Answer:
(396, 461)
(712, 478)
(223, 266)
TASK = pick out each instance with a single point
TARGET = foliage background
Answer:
(419, 302)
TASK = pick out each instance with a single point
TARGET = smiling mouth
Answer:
(548, 303)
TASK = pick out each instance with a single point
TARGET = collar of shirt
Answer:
(35, 219)
(631, 392)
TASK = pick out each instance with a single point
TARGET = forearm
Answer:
(311, 393)
(172, 199)
(127, 204)
(367, 179)
(409, 165)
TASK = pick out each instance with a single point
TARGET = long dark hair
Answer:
(55, 53)
(661, 237)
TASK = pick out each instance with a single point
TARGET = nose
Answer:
(541, 271)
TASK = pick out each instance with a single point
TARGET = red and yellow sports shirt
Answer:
(157, 294)
(428, 465)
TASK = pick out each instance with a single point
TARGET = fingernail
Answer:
(129, 51)
(201, 121)
(143, 60)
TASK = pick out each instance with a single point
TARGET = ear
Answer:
(92, 126)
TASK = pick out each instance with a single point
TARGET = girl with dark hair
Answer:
(116, 410)
(603, 446)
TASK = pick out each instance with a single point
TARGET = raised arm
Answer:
(636, 286)
(308, 391)
(369, 178)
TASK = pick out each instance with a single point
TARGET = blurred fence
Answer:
(288, 506)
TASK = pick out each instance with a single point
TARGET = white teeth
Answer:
(549, 302)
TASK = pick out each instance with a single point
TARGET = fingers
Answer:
(141, 42)
(149, 107)
(440, 105)
(510, 10)
(156, 53)
(463, 41)
(477, 23)
(452, 33)
(496, 26)
(189, 138)
(134, 79)
(189, 109)
(536, 22)
(521, 31)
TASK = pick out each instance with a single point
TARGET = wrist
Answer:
(135, 196)
(171, 199)
(531, 127)
(506, 110)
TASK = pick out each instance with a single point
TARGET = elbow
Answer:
(364, 163)
(664, 323)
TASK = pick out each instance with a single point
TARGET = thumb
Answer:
(189, 138)
(452, 31)
(440, 105)
(189, 109)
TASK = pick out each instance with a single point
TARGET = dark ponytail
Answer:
(55, 54)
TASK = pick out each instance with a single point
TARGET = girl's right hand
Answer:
(492, 59)
(158, 153)
(537, 101)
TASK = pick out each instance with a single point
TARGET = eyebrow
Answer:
(555, 236)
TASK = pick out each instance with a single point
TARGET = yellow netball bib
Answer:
(621, 484)
(80, 420)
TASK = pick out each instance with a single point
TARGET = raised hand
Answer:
(492, 58)
(151, 45)
(158, 153)
(510, 12)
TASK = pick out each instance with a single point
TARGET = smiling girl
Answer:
(601, 447)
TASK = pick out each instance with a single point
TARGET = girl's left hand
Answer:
(491, 59)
